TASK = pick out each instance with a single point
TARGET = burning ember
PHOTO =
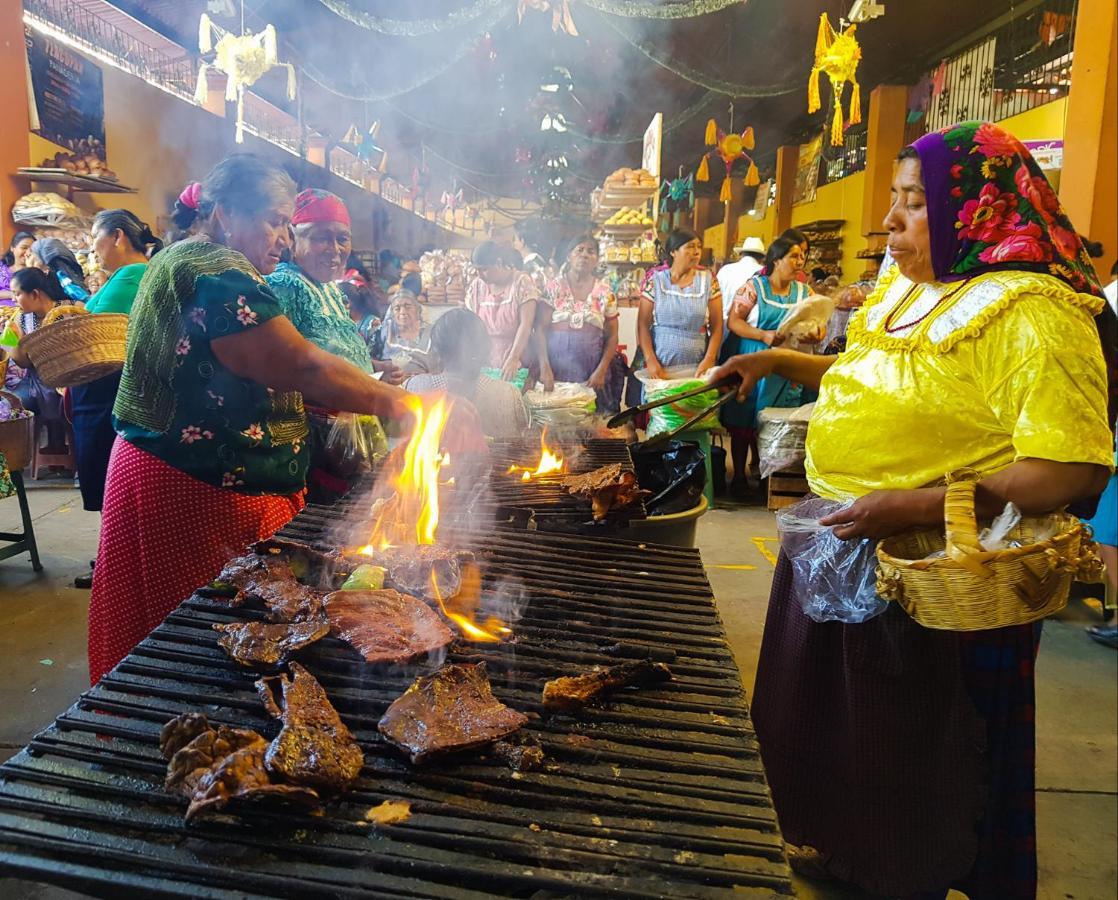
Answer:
(551, 462)
(409, 518)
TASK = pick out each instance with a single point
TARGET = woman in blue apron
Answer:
(680, 318)
(755, 315)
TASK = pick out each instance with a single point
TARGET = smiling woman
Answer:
(903, 756)
(210, 419)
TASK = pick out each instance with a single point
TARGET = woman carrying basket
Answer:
(901, 758)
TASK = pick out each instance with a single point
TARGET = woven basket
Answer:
(17, 437)
(74, 347)
(972, 589)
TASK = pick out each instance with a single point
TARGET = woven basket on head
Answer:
(74, 347)
(972, 589)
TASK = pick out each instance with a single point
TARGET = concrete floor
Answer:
(43, 669)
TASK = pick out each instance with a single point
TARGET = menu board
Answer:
(69, 95)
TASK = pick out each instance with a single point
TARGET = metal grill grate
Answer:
(659, 792)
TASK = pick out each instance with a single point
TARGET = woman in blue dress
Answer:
(755, 315)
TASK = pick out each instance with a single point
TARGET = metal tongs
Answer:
(632, 411)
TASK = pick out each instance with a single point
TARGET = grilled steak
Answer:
(452, 710)
(242, 570)
(314, 748)
(287, 601)
(606, 488)
(386, 626)
(212, 767)
(411, 568)
(310, 566)
(261, 644)
(574, 692)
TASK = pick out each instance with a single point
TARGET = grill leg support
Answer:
(25, 541)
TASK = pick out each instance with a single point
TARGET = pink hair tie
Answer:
(191, 195)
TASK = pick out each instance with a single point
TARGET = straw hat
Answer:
(752, 246)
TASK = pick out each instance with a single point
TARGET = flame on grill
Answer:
(551, 462)
(461, 609)
(411, 515)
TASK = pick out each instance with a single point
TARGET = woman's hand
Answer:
(390, 372)
(881, 514)
(597, 379)
(547, 378)
(511, 367)
(704, 366)
(773, 338)
(749, 367)
(656, 370)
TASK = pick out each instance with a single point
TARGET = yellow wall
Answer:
(1042, 123)
(840, 200)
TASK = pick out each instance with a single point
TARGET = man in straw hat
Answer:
(733, 276)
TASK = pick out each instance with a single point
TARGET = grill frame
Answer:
(660, 792)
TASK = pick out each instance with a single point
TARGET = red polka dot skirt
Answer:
(164, 534)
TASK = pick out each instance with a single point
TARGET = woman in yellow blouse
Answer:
(901, 759)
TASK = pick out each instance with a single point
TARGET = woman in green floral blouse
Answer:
(211, 452)
(312, 299)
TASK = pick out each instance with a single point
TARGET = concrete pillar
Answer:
(14, 87)
(787, 161)
(884, 139)
(1089, 180)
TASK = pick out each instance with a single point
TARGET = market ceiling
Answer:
(474, 102)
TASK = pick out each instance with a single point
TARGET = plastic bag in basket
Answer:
(520, 380)
(672, 415)
(354, 441)
(834, 580)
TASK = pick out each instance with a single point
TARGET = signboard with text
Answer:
(68, 90)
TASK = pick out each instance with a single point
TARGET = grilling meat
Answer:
(411, 568)
(609, 487)
(309, 565)
(574, 692)
(213, 766)
(452, 710)
(314, 748)
(386, 626)
(287, 601)
(261, 644)
(242, 570)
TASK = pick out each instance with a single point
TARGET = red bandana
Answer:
(314, 205)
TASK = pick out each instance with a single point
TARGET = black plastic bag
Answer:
(674, 472)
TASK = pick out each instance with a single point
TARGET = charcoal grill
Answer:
(542, 504)
(656, 793)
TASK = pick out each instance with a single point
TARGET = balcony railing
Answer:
(839, 162)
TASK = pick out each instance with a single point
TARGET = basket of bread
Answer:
(74, 347)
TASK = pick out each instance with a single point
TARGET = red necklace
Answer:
(893, 329)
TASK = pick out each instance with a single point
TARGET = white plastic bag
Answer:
(570, 405)
(781, 434)
(834, 580)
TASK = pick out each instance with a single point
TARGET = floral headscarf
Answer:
(990, 207)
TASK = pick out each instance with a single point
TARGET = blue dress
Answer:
(776, 391)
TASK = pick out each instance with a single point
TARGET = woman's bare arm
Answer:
(738, 323)
(597, 378)
(275, 355)
(803, 368)
(714, 321)
(527, 313)
(644, 337)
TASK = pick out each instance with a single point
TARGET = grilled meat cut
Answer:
(314, 748)
(451, 710)
(310, 566)
(242, 570)
(609, 487)
(411, 568)
(262, 644)
(213, 767)
(386, 626)
(574, 692)
(287, 601)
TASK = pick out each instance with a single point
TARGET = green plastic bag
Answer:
(672, 415)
